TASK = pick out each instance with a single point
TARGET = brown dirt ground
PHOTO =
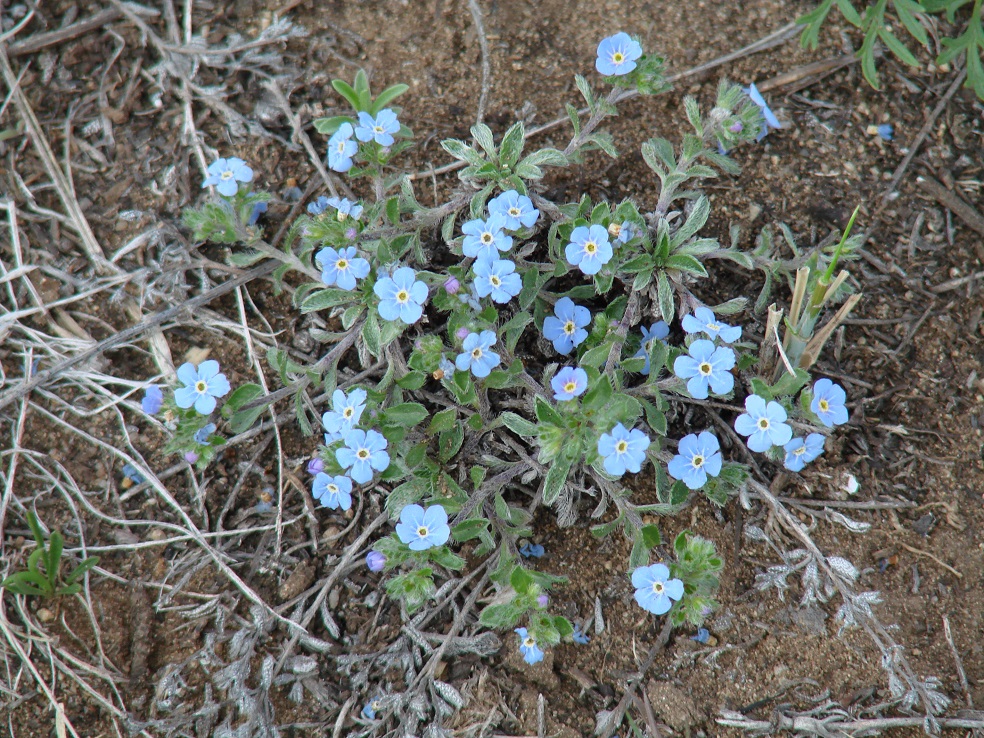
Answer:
(909, 357)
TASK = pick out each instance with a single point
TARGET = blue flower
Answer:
(363, 451)
(369, 710)
(131, 473)
(422, 529)
(476, 355)
(379, 129)
(764, 424)
(202, 386)
(617, 55)
(258, 209)
(703, 320)
(470, 298)
(226, 174)
(497, 278)
(375, 561)
(566, 330)
(532, 653)
(341, 267)
(484, 239)
(657, 332)
(401, 296)
(698, 458)
(344, 415)
(828, 403)
(769, 120)
(343, 207)
(569, 382)
(589, 248)
(341, 148)
(800, 451)
(517, 210)
(706, 365)
(703, 635)
(531, 550)
(318, 206)
(622, 232)
(886, 131)
(152, 400)
(655, 591)
(579, 637)
(623, 450)
(202, 434)
(333, 492)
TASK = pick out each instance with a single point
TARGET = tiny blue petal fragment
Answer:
(703, 635)
(152, 400)
(202, 434)
(578, 637)
(258, 209)
(886, 131)
(531, 550)
(131, 473)
(769, 120)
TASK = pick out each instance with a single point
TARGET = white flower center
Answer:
(348, 412)
(529, 642)
(590, 248)
(340, 147)
(570, 328)
(705, 368)
(402, 296)
(824, 406)
(658, 587)
(422, 531)
(201, 386)
(799, 451)
(514, 212)
(697, 461)
(341, 265)
(764, 423)
(333, 489)
(227, 174)
(713, 327)
(487, 238)
(495, 281)
(621, 447)
(618, 57)
(569, 387)
(476, 354)
(378, 129)
(340, 216)
(362, 453)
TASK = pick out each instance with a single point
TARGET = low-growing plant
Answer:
(43, 576)
(510, 352)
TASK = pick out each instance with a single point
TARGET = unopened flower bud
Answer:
(542, 600)
(351, 233)
(462, 333)
(315, 466)
(451, 285)
(375, 561)
(736, 127)
(191, 457)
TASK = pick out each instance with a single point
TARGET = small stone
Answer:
(45, 615)
(673, 706)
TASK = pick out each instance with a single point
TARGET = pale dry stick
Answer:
(483, 42)
(26, 660)
(4, 37)
(340, 565)
(776, 38)
(876, 631)
(105, 283)
(189, 131)
(261, 377)
(159, 488)
(37, 41)
(11, 207)
(15, 451)
(818, 727)
(961, 674)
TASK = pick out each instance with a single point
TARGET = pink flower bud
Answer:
(462, 333)
(451, 285)
(191, 457)
(542, 600)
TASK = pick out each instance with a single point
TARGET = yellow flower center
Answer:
(570, 328)
(824, 406)
(658, 587)
(422, 531)
(348, 412)
(341, 264)
(378, 129)
(621, 447)
(363, 453)
(569, 387)
(705, 369)
(227, 174)
(618, 57)
(487, 238)
(495, 281)
(514, 212)
(712, 327)
(333, 488)
(340, 216)
(697, 461)
(799, 451)
(341, 147)
(529, 642)
(590, 248)
(201, 386)
(402, 296)
(476, 353)
(763, 423)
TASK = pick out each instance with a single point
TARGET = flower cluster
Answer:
(360, 454)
